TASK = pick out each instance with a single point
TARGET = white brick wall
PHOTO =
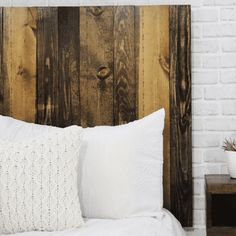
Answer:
(214, 92)
(214, 81)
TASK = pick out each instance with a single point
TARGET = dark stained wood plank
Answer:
(221, 231)
(220, 184)
(180, 108)
(19, 26)
(152, 73)
(69, 99)
(47, 70)
(1, 65)
(96, 65)
(124, 65)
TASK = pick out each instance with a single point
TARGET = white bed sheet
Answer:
(139, 226)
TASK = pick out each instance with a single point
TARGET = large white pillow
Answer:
(39, 183)
(120, 171)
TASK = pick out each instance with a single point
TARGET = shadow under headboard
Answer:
(104, 66)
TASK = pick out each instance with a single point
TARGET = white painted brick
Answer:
(229, 135)
(228, 45)
(228, 60)
(213, 169)
(196, 31)
(228, 14)
(170, 1)
(198, 170)
(212, 61)
(197, 92)
(5, 3)
(198, 187)
(227, 76)
(219, 2)
(153, 2)
(219, 30)
(199, 203)
(196, 61)
(205, 77)
(205, 46)
(197, 156)
(205, 15)
(201, 108)
(220, 124)
(106, 2)
(199, 217)
(228, 107)
(224, 169)
(198, 124)
(141, 2)
(64, 3)
(195, 3)
(22, 3)
(214, 155)
(208, 139)
(222, 92)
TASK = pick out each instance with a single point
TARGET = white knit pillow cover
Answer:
(38, 183)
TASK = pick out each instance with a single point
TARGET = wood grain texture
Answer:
(180, 108)
(221, 231)
(47, 57)
(124, 65)
(19, 62)
(1, 64)
(220, 184)
(153, 74)
(96, 65)
(104, 66)
(69, 66)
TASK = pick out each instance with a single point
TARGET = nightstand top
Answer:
(220, 184)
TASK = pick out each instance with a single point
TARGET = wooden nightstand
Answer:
(221, 205)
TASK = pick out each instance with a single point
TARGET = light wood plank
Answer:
(20, 62)
(153, 74)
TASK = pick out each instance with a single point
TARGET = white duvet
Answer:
(139, 226)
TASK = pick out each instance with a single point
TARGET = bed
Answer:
(140, 226)
(93, 66)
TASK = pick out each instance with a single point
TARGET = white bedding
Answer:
(139, 226)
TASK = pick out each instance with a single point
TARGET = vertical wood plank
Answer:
(153, 74)
(69, 99)
(47, 71)
(180, 103)
(124, 65)
(19, 62)
(1, 65)
(96, 65)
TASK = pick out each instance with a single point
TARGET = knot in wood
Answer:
(96, 11)
(103, 72)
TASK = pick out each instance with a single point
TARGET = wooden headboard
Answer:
(104, 66)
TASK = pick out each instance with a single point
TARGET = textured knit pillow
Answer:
(38, 183)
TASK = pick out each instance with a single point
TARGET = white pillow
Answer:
(16, 130)
(38, 183)
(120, 171)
